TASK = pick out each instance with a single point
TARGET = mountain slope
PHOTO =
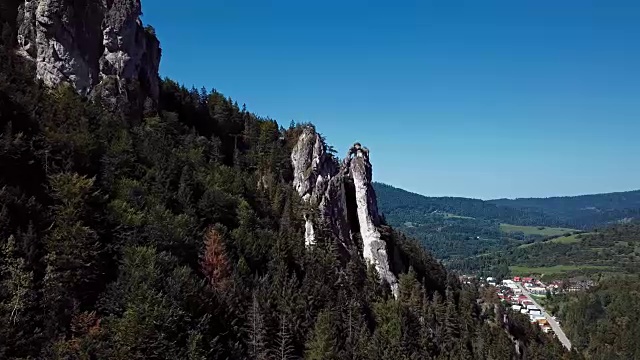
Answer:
(176, 232)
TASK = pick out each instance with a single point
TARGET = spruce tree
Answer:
(283, 347)
(322, 344)
(256, 331)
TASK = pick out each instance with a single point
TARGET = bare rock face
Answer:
(343, 199)
(313, 166)
(96, 46)
(315, 180)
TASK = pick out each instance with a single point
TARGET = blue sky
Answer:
(472, 98)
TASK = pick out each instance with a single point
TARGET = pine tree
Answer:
(438, 312)
(185, 195)
(410, 290)
(466, 312)
(119, 158)
(387, 337)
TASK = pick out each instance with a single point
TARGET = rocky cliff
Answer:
(97, 46)
(341, 200)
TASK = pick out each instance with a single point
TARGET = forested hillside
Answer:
(613, 249)
(456, 228)
(402, 206)
(178, 235)
(604, 322)
(582, 212)
(459, 228)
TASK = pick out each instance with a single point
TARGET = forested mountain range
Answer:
(455, 227)
(579, 212)
(582, 212)
(140, 219)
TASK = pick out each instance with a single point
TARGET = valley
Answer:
(504, 239)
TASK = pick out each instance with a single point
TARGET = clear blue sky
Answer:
(469, 98)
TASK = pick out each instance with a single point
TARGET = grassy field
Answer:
(571, 239)
(527, 245)
(535, 230)
(447, 215)
(523, 270)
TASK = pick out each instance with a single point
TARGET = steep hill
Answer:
(143, 220)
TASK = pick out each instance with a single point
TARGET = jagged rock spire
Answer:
(343, 196)
(374, 249)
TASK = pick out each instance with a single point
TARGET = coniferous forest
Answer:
(604, 321)
(178, 235)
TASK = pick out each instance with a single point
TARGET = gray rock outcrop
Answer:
(313, 166)
(99, 47)
(317, 180)
(342, 199)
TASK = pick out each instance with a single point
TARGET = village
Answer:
(523, 295)
(512, 293)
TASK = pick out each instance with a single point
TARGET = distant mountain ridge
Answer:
(580, 212)
(456, 228)
(584, 211)
(631, 195)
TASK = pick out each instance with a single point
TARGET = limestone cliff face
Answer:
(97, 46)
(344, 199)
